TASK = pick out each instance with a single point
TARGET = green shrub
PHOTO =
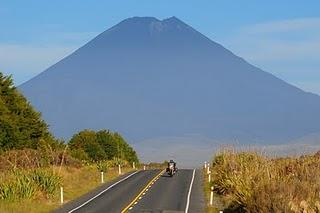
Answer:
(47, 181)
(80, 154)
(102, 166)
(25, 185)
(7, 191)
(101, 146)
(19, 188)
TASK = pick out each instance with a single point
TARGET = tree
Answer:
(20, 125)
(125, 152)
(86, 140)
(105, 139)
(101, 145)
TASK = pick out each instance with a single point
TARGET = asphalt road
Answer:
(170, 194)
(166, 194)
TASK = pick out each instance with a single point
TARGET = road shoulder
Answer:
(197, 199)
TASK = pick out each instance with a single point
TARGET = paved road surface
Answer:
(166, 194)
(170, 194)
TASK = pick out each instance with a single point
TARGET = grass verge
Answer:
(251, 182)
(76, 182)
(217, 202)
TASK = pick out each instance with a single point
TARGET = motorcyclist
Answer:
(172, 163)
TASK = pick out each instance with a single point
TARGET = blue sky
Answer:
(281, 37)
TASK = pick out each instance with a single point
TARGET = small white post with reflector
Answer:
(211, 196)
(61, 195)
(119, 169)
(102, 178)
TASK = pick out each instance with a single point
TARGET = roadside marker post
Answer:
(144, 167)
(208, 169)
(102, 178)
(61, 195)
(119, 169)
(133, 165)
(211, 196)
(205, 164)
(209, 179)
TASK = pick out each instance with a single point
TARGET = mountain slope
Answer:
(149, 78)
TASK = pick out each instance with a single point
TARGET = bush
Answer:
(19, 188)
(80, 154)
(25, 185)
(47, 181)
(101, 146)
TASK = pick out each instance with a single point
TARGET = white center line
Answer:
(189, 193)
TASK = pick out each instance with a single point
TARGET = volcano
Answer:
(155, 79)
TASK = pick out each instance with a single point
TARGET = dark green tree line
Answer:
(101, 145)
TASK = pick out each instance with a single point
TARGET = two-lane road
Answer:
(168, 194)
(144, 191)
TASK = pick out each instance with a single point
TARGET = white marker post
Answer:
(209, 179)
(119, 169)
(208, 169)
(144, 167)
(61, 195)
(102, 180)
(205, 164)
(133, 165)
(211, 196)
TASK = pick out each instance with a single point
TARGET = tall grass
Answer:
(18, 188)
(33, 159)
(46, 180)
(251, 182)
(26, 185)
(30, 179)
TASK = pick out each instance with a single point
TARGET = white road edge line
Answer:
(189, 193)
(85, 203)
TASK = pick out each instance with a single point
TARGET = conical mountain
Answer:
(150, 78)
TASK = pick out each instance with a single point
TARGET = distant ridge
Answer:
(150, 78)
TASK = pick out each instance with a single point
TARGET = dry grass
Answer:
(75, 180)
(216, 201)
(32, 159)
(251, 182)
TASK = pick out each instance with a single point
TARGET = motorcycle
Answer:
(171, 170)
